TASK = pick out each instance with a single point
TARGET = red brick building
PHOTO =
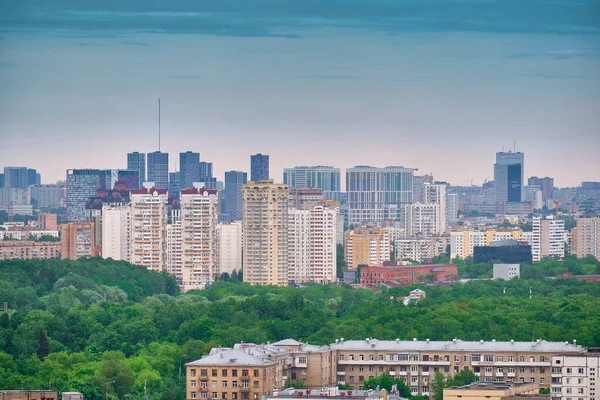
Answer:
(591, 278)
(396, 274)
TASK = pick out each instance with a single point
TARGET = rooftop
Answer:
(224, 356)
(493, 386)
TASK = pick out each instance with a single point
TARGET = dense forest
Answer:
(104, 327)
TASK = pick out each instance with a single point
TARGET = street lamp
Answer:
(106, 388)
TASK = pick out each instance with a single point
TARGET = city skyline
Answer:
(309, 83)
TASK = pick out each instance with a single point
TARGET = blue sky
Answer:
(439, 85)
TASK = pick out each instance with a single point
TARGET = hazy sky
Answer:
(439, 85)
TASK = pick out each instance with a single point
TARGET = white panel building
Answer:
(230, 237)
(148, 228)
(116, 232)
(575, 376)
(549, 238)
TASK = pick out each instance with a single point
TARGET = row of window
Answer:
(224, 384)
(445, 358)
(225, 372)
(215, 395)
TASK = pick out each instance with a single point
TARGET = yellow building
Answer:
(493, 391)
(366, 246)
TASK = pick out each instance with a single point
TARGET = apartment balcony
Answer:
(392, 373)
(402, 373)
(425, 373)
(517, 363)
(511, 374)
(341, 372)
(499, 374)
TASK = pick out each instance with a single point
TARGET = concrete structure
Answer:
(28, 395)
(77, 240)
(45, 195)
(549, 237)
(230, 236)
(419, 182)
(137, 162)
(83, 184)
(417, 249)
(25, 250)
(259, 167)
(493, 391)
(546, 185)
(306, 198)
(324, 177)
(312, 244)
(451, 208)
(17, 177)
(376, 195)
(199, 245)
(509, 177)
(507, 271)
(174, 251)
(534, 196)
(422, 219)
(265, 226)
(234, 181)
(463, 241)
(575, 376)
(436, 194)
(366, 246)
(148, 228)
(116, 232)
(72, 396)
(585, 238)
(189, 167)
(47, 222)
(396, 274)
(158, 169)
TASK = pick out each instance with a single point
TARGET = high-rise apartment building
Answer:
(436, 194)
(33, 178)
(81, 185)
(148, 228)
(234, 181)
(230, 247)
(419, 182)
(189, 167)
(306, 198)
(45, 195)
(585, 238)
(548, 238)
(158, 169)
(366, 246)
(199, 242)
(116, 231)
(1, 180)
(137, 162)
(534, 196)
(417, 249)
(259, 167)
(509, 172)
(265, 227)
(546, 185)
(174, 247)
(451, 208)
(324, 177)
(77, 240)
(378, 194)
(312, 244)
(422, 219)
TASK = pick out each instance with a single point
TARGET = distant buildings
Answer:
(422, 219)
(158, 169)
(376, 195)
(116, 232)
(174, 184)
(229, 236)
(508, 251)
(47, 222)
(324, 177)
(77, 240)
(417, 249)
(129, 178)
(25, 250)
(585, 238)
(265, 227)
(83, 184)
(548, 239)
(148, 228)
(20, 177)
(509, 176)
(45, 195)
(546, 185)
(462, 242)
(419, 182)
(495, 391)
(259, 167)
(189, 167)
(506, 271)
(234, 181)
(366, 246)
(137, 162)
(397, 274)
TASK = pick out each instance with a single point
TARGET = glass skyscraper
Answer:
(158, 169)
(259, 167)
(324, 177)
(137, 162)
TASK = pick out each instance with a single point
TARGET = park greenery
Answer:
(108, 329)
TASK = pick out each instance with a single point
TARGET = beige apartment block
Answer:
(575, 376)
(77, 240)
(149, 228)
(367, 246)
(585, 238)
(25, 250)
(493, 391)
(265, 227)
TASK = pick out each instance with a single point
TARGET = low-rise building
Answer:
(28, 395)
(26, 250)
(507, 271)
(395, 273)
(492, 391)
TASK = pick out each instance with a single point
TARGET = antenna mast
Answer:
(159, 124)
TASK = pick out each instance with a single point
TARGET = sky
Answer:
(438, 85)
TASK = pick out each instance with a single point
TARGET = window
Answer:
(456, 358)
(341, 357)
(193, 395)
(542, 358)
(244, 372)
(256, 373)
(580, 371)
(532, 380)
(522, 369)
(214, 372)
(193, 383)
(500, 358)
(532, 370)
(511, 370)
(361, 357)
(361, 378)
(414, 380)
(511, 358)
(371, 357)
(224, 395)
(351, 379)
(414, 368)
(569, 370)
(245, 384)
(488, 370)
(466, 358)
(224, 372)
(214, 395)
(203, 395)
(522, 359)
(380, 357)
(531, 358)
(234, 384)
(476, 357)
(255, 384)
(351, 356)
(542, 380)
(234, 372)
(371, 369)
(192, 372)
(361, 368)
(224, 384)
(499, 371)
(214, 384)
(488, 357)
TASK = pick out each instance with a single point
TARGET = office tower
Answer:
(419, 182)
(546, 185)
(189, 168)
(199, 246)
(259, 167)
(206, 176)
(16, 177)
(130, 178)
(436, 194)
(174, 184)
(377, 194)
(230, 247)
(265, 227)
(234, 181)
(45, 195)
(312, 244)
(81, 185)
(77, 240)
(585, 238)
(47, 222)
(509, 172)
(1, 180)
(548, 238)
(116, 232)
(137, 162)
(366, 246)
(451, 208)
(324, 177)
(158, 169)
(423, 219)
(33, 178)
(148, 228)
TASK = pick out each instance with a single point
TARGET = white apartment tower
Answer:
(174, 252)
(199, 244)
(265, 227)
(436, 194)
(230, 238)
(312, 244)
(149, 228)
(548, 238)
(116, 231)
(422, 219)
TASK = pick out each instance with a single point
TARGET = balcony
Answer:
(392, 373)
(511, 374)
(341, 372)
(425, 373)
(402, 373)
(499, 374)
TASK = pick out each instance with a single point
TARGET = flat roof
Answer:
(492, 386)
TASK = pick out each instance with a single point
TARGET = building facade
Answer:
(158, 169)
(417, 249)
(77, 240)
(548, 239)
(575, 376)
(265, 227)
(419, 182)
(585, 238)
(116, 232)
(259, 167)
(324, 177)
(137, 162)
(399, 274)
(546, 185)
(463, 241)
(83, 184)
(366, 246)
(234, 181)
(25, 250)
(509, 173)
(423, 219)
(148, 228)
(230, 238)
(45, 195)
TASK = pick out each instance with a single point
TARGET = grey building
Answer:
(234, 180)
(189, 169)
(507, 271)
(137, 161)
(324, 177)
(174, 184)
(158, 169)
(1, 181)
(16, 177)
(81, 185)
(419, 182)
(259, 167)
(509, 173)
(45, 195)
